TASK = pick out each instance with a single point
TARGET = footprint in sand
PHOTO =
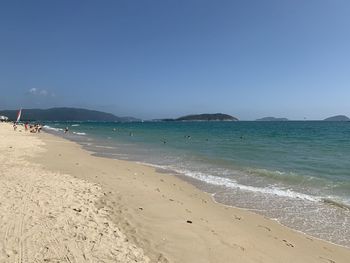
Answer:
(287, 243)
(237, 217)
(240, 247)
(265, 227)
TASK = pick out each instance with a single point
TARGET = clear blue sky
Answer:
(154, 59)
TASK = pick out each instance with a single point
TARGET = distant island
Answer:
(205, 117)
(338, 118)
(272, 119)
(65, 114)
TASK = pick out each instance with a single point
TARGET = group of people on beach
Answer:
(32, 128)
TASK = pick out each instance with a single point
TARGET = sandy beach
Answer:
(59, 203)
(49, 216)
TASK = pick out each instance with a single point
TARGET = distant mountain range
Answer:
(338, 118)
(272, 119)
(334, 118)
(65, 114)
(77, 114)
(205, 117)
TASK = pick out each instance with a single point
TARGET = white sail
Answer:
(19, 115)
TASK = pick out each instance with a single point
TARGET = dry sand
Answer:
(56, 200)
(46, 216)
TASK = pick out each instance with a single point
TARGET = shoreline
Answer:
(203, 186)
(208, 195)
(212, 195)
(173, 221)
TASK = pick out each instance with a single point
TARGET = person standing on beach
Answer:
(66, 130)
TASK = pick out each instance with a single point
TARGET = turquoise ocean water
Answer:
(295, 172)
